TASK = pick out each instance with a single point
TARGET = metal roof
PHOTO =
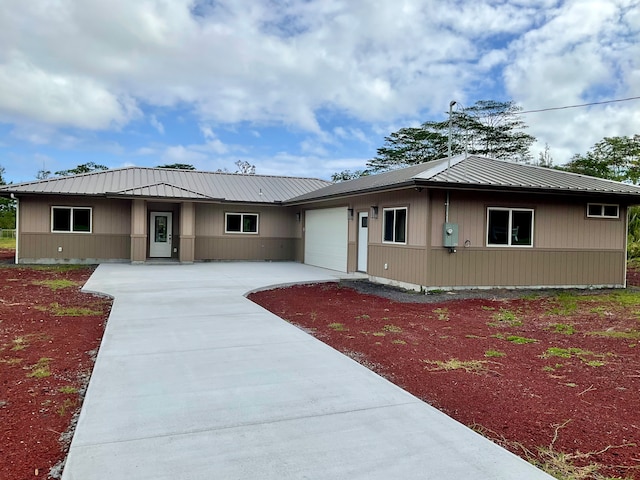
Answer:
(169, 183)
(474, 171)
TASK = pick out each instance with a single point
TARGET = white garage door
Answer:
(325, 238)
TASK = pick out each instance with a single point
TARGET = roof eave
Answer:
(387, 188)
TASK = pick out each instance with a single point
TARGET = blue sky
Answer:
(298, 87)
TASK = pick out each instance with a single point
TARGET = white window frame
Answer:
(510, 227)
(71, 214)
(406, 225)
(602, 208)
(242, 215)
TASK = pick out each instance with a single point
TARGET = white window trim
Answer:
(71, 219)
(510, 210)
(602, 205)
(406, 225)
(242, 214)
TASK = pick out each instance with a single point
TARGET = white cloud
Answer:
(155, 123)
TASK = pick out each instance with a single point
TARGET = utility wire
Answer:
(578, 106)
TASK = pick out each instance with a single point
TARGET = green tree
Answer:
(345, 175)
(613, 158)
(178, 166)
(7, 207)
(488, 128)
(84, 168)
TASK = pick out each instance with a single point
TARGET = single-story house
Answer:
(460, 222)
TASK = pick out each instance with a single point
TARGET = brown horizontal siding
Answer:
(405, 264)
(525, 267)
(245, 248)
(74, 246)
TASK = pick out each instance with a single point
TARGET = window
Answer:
(602, 210)
(512, 227)
(71, 219)
(395, 225)
(241, 223)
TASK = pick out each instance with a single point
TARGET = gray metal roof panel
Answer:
(138, 180)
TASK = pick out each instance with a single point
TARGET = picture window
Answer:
(71, 219)
(509, 227)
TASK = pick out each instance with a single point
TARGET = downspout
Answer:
(13, 197)
(626, 247)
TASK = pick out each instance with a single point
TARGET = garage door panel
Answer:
(326, 238)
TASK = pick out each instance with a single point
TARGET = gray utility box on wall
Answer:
(450, 235)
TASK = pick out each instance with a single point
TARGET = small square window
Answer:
(603, 210)
(241, 223)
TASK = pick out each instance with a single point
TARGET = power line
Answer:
(578, 106)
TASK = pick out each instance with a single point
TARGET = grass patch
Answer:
(68, 389)
(505, 317)
(397, 341)
(40, 369)
(363, 317)
(563, 328)
(62, 409)
(520, 340)
(56, 284)
(442, 314)
(566, 304)
(379, 334)
(565, 352)
(338, 327)
(59, 311)
(470, 366)
(11, 361)
(8, 243)
(494, 353)
(392, 329)
(630, 335)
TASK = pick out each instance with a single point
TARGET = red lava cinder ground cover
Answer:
(49, 335)
(554, 377)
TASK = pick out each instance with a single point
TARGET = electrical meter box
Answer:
(450, 235)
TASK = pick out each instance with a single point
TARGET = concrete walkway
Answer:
(194, 381)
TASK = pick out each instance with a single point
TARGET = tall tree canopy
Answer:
(613, 158)
(84, 168)
(487, 128)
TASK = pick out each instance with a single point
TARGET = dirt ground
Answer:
(552, 376)
(49, 336)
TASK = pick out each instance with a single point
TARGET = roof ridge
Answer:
(148, 185)
(231, 173)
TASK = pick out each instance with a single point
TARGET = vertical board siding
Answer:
(273, 221)
(517, 268)
(559, 222)
(253, 248)
(404, 264)
(74, 246)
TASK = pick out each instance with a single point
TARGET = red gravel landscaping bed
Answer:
(49, 336)
(541, 375)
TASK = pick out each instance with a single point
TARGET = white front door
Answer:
(363, 240)
(160, 234)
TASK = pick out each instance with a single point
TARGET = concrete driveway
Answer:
(194, 381)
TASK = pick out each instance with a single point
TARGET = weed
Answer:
(473, 336)
(435, 291)
(520, 340)
(40, 369)
(487, 308)
(563, 328)
(313, 315)
(378, 334)
(499, 336)
(571, 384)
(442, 313)
(397, 341)
(505, 317)
(338, 327)
(469, 366)
(494, 353)
(363, 317)
(19, 343)
(564, 352)
(68, 403)
(22, 342)
(392, 329)
(56, 284)
(68, 389)
(594, 363)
